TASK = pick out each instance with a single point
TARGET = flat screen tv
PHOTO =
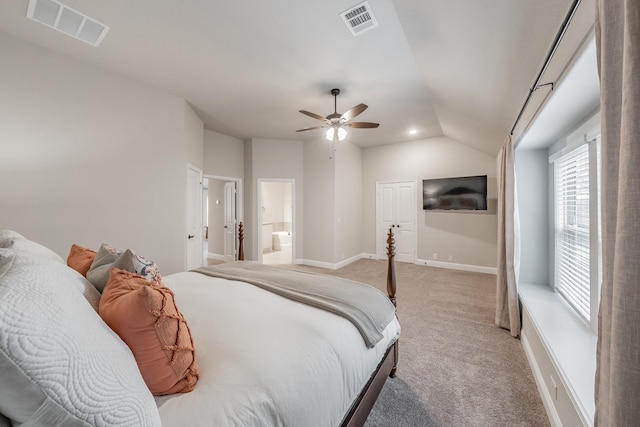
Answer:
(461, 193)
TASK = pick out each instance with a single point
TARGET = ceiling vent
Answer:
(359, 18)
(69, 21)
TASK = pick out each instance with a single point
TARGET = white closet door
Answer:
(396, 209)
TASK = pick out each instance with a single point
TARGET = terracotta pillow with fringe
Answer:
(144, 314)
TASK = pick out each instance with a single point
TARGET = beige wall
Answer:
(193, 138)
(90, 157)
(223, 155)
(267, 159)
(348, 188)
(319, 203)
(470, 238)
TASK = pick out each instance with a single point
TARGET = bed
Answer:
(264, 357)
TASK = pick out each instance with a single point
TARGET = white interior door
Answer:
(405, 215)
(229, 221)
(396, 209)
(194, 218)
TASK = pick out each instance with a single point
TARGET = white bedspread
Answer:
(265, 360)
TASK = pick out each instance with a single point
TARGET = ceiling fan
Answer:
(336, 122)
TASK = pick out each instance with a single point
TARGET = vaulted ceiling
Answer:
(458, 68)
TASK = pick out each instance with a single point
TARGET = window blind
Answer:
(572, 275)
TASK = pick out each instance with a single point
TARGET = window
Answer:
(577, 231)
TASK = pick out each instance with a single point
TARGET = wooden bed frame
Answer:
(361, 407)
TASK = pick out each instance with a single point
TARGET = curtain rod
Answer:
(554, 47)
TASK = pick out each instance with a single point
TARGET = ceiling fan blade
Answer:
(350, 114)
(314, 115)
(362, 125)
(315, 127)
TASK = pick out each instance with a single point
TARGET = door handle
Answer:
(225, 226)
(190, 236)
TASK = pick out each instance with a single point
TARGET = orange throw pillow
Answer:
(80, 259)
(145, 316)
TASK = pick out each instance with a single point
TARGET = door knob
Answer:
(225, 226)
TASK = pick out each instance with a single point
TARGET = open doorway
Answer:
(276, 216)
(222, 213)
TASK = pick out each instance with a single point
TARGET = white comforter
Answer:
(265, 360)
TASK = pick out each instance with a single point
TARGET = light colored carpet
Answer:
(456, 367)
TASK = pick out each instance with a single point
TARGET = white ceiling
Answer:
(459, 68)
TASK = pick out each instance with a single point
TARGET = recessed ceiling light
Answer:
(412, 131)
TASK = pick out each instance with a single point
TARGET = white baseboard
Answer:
(320, 264)
(215, 256)
(547, 401)
(348, 261)
(330, 266)
(440, 264)
(456, 266)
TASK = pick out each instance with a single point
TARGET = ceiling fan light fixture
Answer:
(330, 134)
(336, 133)
(342, 134)
(336, 123)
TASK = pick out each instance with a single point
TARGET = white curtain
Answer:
(507, 308)
(618, 355)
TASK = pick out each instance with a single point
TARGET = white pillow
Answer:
(59, 362)
(9, 238)
(6, 234)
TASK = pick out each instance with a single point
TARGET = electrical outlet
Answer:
(450, 257)
(435, 255)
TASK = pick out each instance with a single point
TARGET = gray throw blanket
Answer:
(365, 306)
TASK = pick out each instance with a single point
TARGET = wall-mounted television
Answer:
(460, 193)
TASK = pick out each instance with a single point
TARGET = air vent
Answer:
(359, 18)
(69, 21)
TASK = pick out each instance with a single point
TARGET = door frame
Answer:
(414, 239)
(190, 208)
(230, 253)
(259, 215)
(239, 197)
